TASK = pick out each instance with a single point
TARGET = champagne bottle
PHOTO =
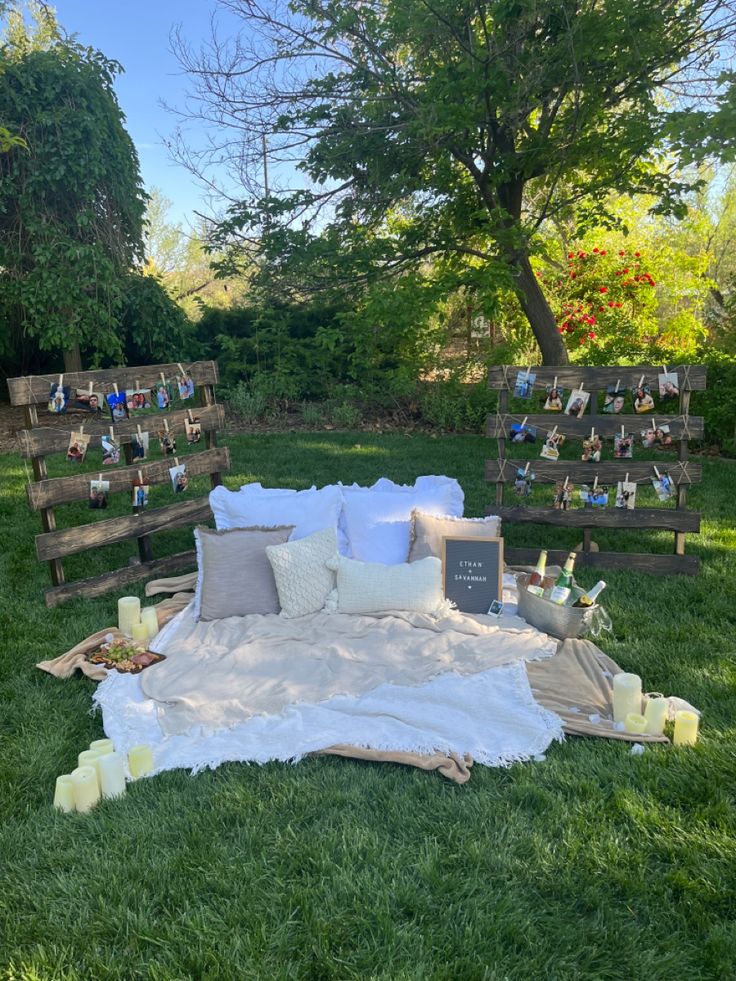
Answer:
(561, 589)
(535, 579)
(589, 598)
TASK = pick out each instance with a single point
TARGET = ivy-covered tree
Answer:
(452, 128)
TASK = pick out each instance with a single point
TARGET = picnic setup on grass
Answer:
(375, 622)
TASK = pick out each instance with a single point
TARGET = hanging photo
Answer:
(594, 497)
(162, 394)
(185, 384)
(88, 401)
(139, 497)
(77, 449)
(623, 446)
(663, 487)
(523, 482)
(193, 429)
(552, 444)
(626, 494)
(110, 451)
(58, 399)
(524, 385)
(643, 401)
(179, 478)
(592, 447)
(554, 400)
(577, 402)
(139, 445)
(662, 435)
(98, 491)
(521, 433)
(563, 496)
(613, 401)
(167, 442)
(117, 405)
(139, 400)
(669, 385)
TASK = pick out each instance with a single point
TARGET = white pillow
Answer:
(308, 510)
(378, 521)
(370, 587)
(303, 579)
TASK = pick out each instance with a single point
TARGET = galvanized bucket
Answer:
(559, 621)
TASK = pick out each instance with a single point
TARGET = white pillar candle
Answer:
(139, 633)
(150, 621)
(64, 794)
(129, 612)
(102, 746)
(86, 790)
(112, 776)
(140, 760)
(89, 757)
(626, 695)
(635, 723)
(686, 728)
(656, 713)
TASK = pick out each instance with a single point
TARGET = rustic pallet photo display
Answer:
(683, 473)
(40, 438)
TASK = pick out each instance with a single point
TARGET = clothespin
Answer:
(176, 461)
(523, 422)
(81, 429)
(567, 481)
(181, 370)
(140, 476)
(61, 381)
(554, 383)
(618, 385)
(592, 433)
(112, 433)
(641, 382)
(526, 468)
(89, 392)
(99, 477)
(137, 384)
(166, 425)
(664, 369)
(626, 479)
(623, 432)
(553, 433)
(115, 388)
(163, 379)
(654, 423)
(659, 475)
(138, 428)
(595, 482)
(191, 417)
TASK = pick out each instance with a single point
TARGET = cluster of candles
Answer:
(141, 625)
(99, 773)
(627, 702)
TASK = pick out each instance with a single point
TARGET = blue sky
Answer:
(136, 33)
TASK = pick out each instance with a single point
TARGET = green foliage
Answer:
(718, 403)
(152, 324)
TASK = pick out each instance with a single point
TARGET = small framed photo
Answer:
(193, 429)
(669, 385)
(98, 493)
(139, 495)
(577, 402)
(185, 386)
(140, 444)
(117, 405)
(167, 442)
(88, 401)
(626, 495)
(110, 451)
(643, 401)
(59, 399)
(555, 398)
(77, 449)
(139, 400)
(179, 478)
(623, 446)
(663, 486)
(521, 433)
(524, 385)
(495, 609)
(614, 399)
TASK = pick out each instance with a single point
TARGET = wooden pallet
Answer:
(40, 438)
(683, 473)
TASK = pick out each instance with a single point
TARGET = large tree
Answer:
(452, 128)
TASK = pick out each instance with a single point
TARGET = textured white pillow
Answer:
(303, 579)
(308, 510)
(378, 520)
(370, 587)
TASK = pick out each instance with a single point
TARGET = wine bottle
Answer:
(535, 579)
(561, 589)
(589, 598)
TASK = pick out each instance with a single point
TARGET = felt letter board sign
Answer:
(472, 572)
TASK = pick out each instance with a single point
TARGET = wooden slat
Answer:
(97, 585)
(606, 426)
(692, 377)
(667, 519)
(55, 439)
(64, 490)
(33, 389)
(71, 540)
(607, 471)
(660, 565)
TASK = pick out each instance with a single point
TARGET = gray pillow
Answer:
(235, 577)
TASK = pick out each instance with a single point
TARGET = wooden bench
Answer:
(683, 473)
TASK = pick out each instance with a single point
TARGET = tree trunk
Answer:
(538, 313)
(72, 359)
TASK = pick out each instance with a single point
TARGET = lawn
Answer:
(591, 864)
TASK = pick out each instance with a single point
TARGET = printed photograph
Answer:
(623, 446)
(594, 497)
(193, 428)
(139, 445)
(77, 449)
(614, 399)
(117, 405)
(577, 403)
(167, 442)
(555, 397)
(592, 446)
(185, 385)
(523, 482)
(139, 497)
(563, 495)
(87, 401)
(139, 400)
(669, 385)
(551, 446)
(98, 493)
(110, 451)
(523, 434)
(663, 487)
(524, 385)
(626, 494)
(662, 435)
(162, 393)
(58, 399)
(643, 401)
(179, 478)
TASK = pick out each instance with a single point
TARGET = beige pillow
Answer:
(428, 531)
(235, 577)
(300, 568)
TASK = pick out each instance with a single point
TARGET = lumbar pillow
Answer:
(235, 576)
(370, 587)
(378, 520)
(303, 579)
(307, 510)
(428, 530)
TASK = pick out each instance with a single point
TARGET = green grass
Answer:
(592, 864)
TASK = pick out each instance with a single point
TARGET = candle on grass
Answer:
(626, 695)
(140, 760)
(635, 723)
(129, 612)
(89, 757)
(139, 633)
(656, 713)
(86, 790)
(112, 775)
(102, 746)
(150, 620)
(64, 794)
(686, 728)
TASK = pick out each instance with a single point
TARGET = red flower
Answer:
(622, 252)
(603, 252)
(619, 304)
(573, 275)
(611, 303)
(626, 271)
(618, 272)
(601, 309)
(638, 255)
(591, 335)
(603, 289)
(570, 255)
(596, 249)
(582, 340)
